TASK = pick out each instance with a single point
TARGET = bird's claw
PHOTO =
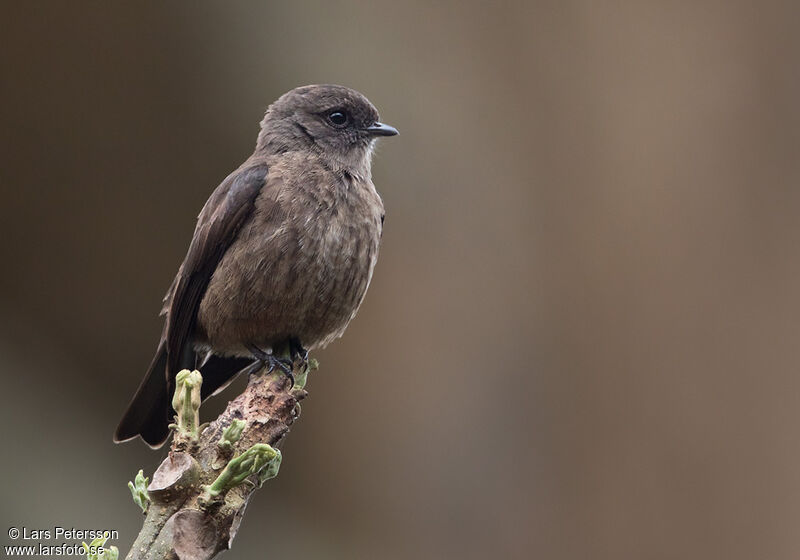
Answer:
(297, 352)
(282, 364)
(270, 362)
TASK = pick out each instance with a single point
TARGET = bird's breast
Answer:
(300, 272)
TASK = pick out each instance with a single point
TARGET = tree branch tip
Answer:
(199, 492)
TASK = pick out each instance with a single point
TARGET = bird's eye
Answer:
(337, 118)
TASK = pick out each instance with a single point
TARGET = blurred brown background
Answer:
(582, 338)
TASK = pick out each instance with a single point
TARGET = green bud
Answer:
(186, 402)
(138, 490)
(110, 553)
(239, 468)
(272, 468)
(231, 434)
(301, 376)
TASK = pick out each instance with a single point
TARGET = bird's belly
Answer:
(292, 282)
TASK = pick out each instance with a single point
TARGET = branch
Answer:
(198, 495)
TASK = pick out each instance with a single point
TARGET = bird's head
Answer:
(338, 122)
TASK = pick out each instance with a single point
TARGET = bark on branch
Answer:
(200, 491)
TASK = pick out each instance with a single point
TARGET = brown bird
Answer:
(281, 256)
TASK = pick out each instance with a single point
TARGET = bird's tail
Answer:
(148, 413)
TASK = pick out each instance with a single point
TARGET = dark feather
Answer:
(219, 222)
(148, 412)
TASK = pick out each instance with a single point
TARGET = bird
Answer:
(281, 256)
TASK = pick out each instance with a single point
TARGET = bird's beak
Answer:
(380, 129)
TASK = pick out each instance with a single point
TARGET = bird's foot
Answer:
(270, 361)
(297, 352)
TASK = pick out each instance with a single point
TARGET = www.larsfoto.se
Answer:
(62, 549)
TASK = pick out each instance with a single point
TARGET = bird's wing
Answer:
(217, 227)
